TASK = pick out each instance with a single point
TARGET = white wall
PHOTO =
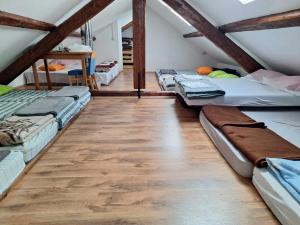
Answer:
(107, 43)
(166, 48)
(128, 33)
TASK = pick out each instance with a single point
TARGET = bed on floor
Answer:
(28, 135)
(201, 91)
(16, 99)
(166, 80)
(284, 122)
(11, 166)
(61, 76)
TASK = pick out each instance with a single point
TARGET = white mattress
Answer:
(36, 141)
(10, 169)
(285, 123)
(64, 117)
(108, 77)
(61, 77)
(282, 204)
(245, 92)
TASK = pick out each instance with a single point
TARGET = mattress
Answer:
(10, 168)
(166, 85)
(23, 96)
(9, 108)
(285, 123)
(282, 204)
(37, 140)
(67, 114)
(61, 77)
(244, 92)
(107, 77)
(84, 100)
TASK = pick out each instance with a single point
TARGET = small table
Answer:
(61, 55)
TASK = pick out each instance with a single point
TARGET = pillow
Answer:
(216, 73)
(261, 75)
(4, 89)
(227, 75)
(204, 70)
(52, 67)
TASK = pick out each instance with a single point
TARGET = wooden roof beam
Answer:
(13, 20)
(213, 34)
(274, 21)
(52, 39)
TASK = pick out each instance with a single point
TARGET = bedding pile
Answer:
(249, 136)
(198, 87)
(105, 66)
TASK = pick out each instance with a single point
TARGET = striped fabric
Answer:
(23, 96)
(8, 108)
(14, 100)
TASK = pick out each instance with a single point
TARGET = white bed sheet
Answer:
(285, 123)
(245, 92)
(282, 204)
(61, 77)
(10, 168)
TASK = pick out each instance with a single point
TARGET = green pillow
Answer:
(5, 89)
(216, 73)
(227, 75)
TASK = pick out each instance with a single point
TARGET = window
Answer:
(246, 1)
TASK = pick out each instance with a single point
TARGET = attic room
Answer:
(149, 112)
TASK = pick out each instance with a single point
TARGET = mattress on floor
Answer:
(67, 114)
(244, 92)
(285, 123)
(37, 140)
(84, 100)
(23, 96)
(282, 204)
(9, 108)
(10, 168)
(105, 78)
(169, 84)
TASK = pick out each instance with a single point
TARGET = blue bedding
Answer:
(287, 173)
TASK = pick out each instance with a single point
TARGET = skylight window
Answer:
(246, 1)
(174, 12)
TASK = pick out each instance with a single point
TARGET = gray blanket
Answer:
(45, 106)
(3, 154)
(75, 92)
(197, 88)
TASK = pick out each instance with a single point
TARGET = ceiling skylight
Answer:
(246, 1)
(174, 12)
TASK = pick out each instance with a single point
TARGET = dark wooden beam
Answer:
(138, 10)
(193, 34)
(214, 35)
(127, 26)
(52, 39)
(13, 20)
(274, 21)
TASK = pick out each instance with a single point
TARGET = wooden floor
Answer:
(126, 161)
(124, 82)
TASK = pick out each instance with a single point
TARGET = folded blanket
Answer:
(198, 88)
(251, 138)
(75, 92)
(164, 71)
(45, 106)
(287, 173)
(15, 130)
(4, 89)
(3, 154)
(52, 67)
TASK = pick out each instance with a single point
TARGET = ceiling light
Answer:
(246, 1)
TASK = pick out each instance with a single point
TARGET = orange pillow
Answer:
(204, 70)
(52, 67)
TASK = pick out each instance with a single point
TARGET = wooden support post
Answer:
(139, 8)
(47, 75)
(36, 77)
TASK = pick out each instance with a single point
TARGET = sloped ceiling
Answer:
(15, 40)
